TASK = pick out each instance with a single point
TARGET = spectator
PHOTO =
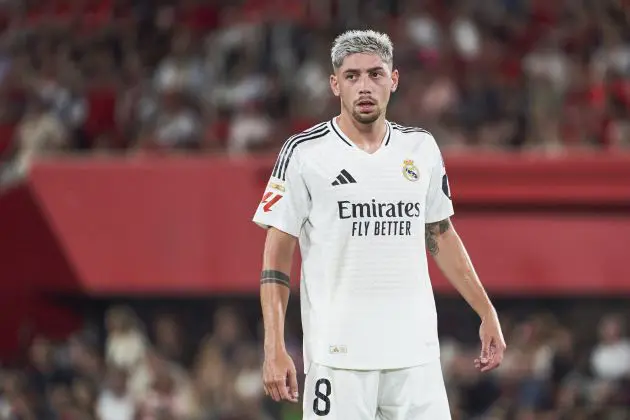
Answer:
(39, 133)
(43, 370)
(176, 126)
(13, 402)
(181, 70)
(115, 402)
(142, 378)
(126, 343)
(84, 359)
(84, 396)
(213, 380)
(228, 331)
(58, 402)
(248, 380)
(138, 102)
(610, 359)
(169, 340)
(250, 130)
(163, 388)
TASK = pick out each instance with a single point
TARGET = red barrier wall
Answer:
(30, 261)
(182, 226)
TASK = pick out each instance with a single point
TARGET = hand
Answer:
(280, 377)
(492, 343)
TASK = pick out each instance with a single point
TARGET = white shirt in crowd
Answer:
(126, 349)
(114, 407)
(611, 361)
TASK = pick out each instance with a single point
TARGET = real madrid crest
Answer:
(410, 171)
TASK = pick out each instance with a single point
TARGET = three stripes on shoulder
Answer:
(282, 163)
(407, 130)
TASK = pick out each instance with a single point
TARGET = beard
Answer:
(365, 118)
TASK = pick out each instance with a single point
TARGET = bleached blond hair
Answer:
(357, 42)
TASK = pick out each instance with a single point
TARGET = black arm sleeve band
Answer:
(274, 276)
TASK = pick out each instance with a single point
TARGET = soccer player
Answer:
(365, 198)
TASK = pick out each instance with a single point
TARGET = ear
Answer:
(334, 85)
(395, 78)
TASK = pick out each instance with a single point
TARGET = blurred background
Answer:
(136, 138)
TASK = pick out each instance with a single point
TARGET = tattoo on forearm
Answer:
(432, 231)
(274, 276)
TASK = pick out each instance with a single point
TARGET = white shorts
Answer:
(416, 393)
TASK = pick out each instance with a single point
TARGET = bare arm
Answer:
(274, 287)
(448, 250)
(279, 374)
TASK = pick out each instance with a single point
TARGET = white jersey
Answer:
(365, 294)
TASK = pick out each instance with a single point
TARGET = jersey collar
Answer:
(335, 128)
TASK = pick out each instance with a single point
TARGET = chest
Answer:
(355, 176)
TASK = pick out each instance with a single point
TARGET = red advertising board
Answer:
(182, 226)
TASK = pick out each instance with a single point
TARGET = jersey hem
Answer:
(360, 367)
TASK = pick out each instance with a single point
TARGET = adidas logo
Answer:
(344, 178)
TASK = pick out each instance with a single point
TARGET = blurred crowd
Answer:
(139, 373)
(154, 369)
(551, 372)
(240, 76)
(113, 76)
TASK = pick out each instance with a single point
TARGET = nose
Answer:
(364, 86)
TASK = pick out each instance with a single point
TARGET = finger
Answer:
(270, 389)
(264, 384)
(275, 394)
(270, 393)
(495, 360)
(293, 386)
(479, 365)
(281, 385)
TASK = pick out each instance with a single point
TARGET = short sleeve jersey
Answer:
(365, 293)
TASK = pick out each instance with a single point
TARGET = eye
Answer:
(375, 74)
(350, 76)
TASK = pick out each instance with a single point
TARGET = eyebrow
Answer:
(371, 69)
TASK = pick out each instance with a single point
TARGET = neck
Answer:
(366, 136)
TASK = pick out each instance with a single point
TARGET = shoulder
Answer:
(417, 135)
(298, 143)
(294, 146)
(318, 131)
(418, 138)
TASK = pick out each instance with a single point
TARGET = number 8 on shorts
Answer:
(321, 403)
